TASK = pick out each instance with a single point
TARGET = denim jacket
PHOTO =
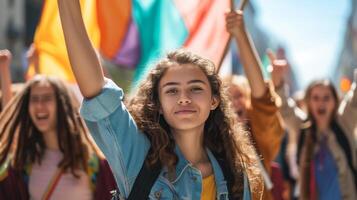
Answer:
(125, 148)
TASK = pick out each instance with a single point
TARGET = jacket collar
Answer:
(184, 165)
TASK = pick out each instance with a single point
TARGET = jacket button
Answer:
(157, 194)
(194, 178)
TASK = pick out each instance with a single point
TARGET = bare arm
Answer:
(32, 58)
(5, 76)
(84, 61)
(249, 57)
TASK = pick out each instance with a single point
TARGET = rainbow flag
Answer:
(160, 26)
(135, 33)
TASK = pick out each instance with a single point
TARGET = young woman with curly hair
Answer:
(45, 149)
(179, 118)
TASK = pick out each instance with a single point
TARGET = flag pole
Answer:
(241, 6)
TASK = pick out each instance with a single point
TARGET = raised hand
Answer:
(5, 61)
(247, 52)
(5, 58)
(235, 23)
(32, 57)
(278, 68)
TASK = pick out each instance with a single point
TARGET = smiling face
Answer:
(185, 97)
(321, 103)
(42, 107)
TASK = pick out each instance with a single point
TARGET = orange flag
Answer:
(114, 19)
(49, 40)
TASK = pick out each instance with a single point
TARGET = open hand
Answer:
(278, 68)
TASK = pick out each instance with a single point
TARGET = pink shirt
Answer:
(68, 186)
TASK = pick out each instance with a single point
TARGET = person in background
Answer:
(325, 146)
(46, 151)
(255, 103)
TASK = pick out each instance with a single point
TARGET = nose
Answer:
(39, 104)
(184, 100)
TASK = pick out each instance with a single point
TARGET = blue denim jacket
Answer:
(125, 148)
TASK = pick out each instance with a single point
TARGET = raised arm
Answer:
(292, 116)
(32, 58)
(5, 76)
(347, 111)
(83, 58)
(248, 55)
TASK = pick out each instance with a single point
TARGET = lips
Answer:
(185, 111)
(321, 111)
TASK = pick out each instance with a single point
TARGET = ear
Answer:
(215, 102)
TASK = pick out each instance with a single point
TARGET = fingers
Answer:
(271, 55)
(5, 52)
(234, 16)
(274, 61)
(5, 55)
(234, 21)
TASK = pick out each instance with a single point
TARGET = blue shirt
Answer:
(125, 148)
(326, 173)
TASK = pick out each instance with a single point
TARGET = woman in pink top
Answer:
(45, 149)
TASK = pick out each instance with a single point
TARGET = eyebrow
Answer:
(189, 82)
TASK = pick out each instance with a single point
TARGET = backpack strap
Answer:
(228, 174)
(301, 142)
(344, 144)
(143, 182)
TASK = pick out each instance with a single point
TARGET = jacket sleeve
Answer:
(117, 135)
(293, 118)
(347, 111)
(347, 118)
(266, 125)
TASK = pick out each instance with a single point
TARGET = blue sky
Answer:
(311, 30)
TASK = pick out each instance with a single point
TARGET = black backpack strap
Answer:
(143, 182)
(301, 142)
(344, 144)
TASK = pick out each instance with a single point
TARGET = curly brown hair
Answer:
(223, 135)
(23, 143)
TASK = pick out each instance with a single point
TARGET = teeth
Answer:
(42, 116)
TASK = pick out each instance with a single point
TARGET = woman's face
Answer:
(185, 97)
(321, 103)
(43, 107)
(239, 99)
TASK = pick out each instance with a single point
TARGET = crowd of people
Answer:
(187, 133)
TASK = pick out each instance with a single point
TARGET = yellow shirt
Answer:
(208, 188)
